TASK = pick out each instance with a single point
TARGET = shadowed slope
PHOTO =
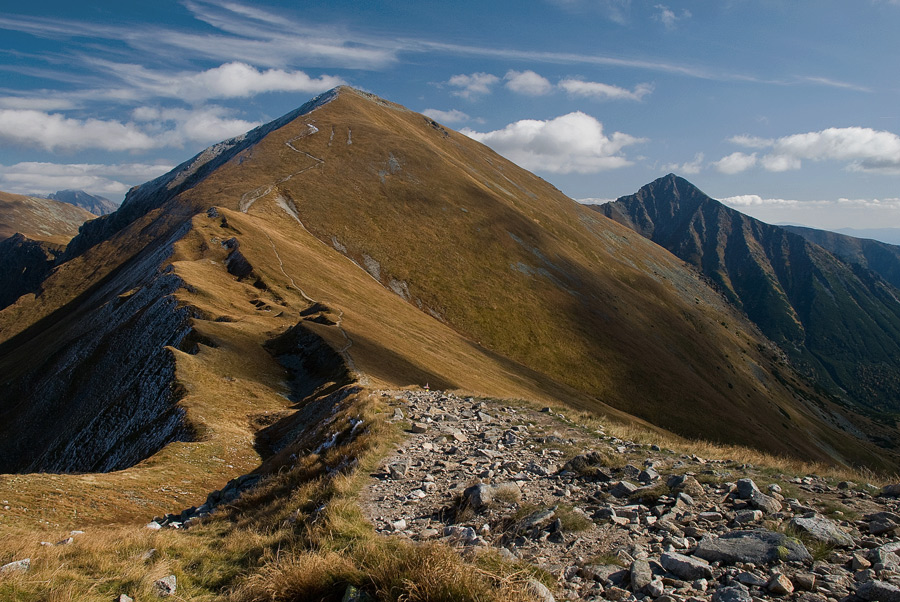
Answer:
(840, 322)
(874, 255)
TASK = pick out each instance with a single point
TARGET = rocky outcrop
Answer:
(99, 390)
(24, 263)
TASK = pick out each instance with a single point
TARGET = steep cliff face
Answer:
(840, 322)
(105, 398)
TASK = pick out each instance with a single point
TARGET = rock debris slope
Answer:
(620, 520)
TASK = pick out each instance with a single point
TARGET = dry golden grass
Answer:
(40, 219)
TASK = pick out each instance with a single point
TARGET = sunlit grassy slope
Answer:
(435, 261)
(40, 219)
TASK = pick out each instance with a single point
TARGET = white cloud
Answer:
(601, 91)
(527, 82)
(175, 127)
(667, 16)
(469, 86)
(594, 201)
(735, 163)
(53, 131)
(452, 116)
(151, 128)
(230, 80)
(751, 141)
(109, 180)
(754, 200)
(688, 167)
(864, 149)
(780, 163)
(570, 143)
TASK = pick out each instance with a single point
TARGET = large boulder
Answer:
(822, 529)
(685, 567)
(755, 547)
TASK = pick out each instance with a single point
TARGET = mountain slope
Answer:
(839, 322)
(356, 243)
(40, 219)
(97, 205)
(879, 257)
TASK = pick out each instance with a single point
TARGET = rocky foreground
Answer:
(617, 520)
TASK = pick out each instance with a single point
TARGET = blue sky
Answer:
(789, 111)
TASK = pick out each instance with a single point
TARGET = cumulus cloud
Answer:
(470, 86)
(735, 163)
(863, 149)
(452, 116)
(109, 180)
(150, 128)
(175, 126)
(570, 143)
(667, 16)
(527, 82)
(53, 131)
(601, 91)
(688, 167)
(230, 80)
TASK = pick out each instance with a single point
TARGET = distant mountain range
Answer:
(826, 299)
(97, 205)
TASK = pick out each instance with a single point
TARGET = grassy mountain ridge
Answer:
(838, 321)
(422, 257)
(40, 219)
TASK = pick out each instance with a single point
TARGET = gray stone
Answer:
(732, 593)
(878, 591)
(539, 591)
(822, 529)
(766, 503)
(880, 526)
(748, 516)
(685, 567)
(19, 566)
(745, 488)
(750, 579)
(165, 587)
(656, 588)
(647, 476)
(756, 547)
(690, 486)
(641, 575)
(483, 494)
(891, 490)
(124, 598)
(804, 581)
(623, 489)
(154, 526)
